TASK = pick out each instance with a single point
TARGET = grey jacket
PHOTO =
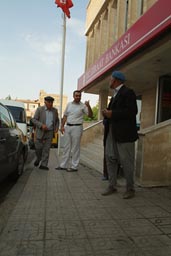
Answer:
(40, 118)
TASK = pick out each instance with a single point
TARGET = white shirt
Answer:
(49, 119)
(75, 112)
(117, 89)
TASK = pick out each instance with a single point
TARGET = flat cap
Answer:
(118, 75)
(48, 98)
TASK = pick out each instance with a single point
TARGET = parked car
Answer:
(13, 148)
(31, 137)
(19, 113)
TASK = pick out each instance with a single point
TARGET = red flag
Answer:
(64, 5)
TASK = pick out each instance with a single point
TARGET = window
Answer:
(140, 7)
(114, 5)
(32, 106)
(126, 14)
(12, 120)
(5, 121)
(138, 117)
(164, 99)
(18, 114)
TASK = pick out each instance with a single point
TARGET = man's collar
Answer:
(115, 91)
(47, 108)
(76, 102)
(118, 88)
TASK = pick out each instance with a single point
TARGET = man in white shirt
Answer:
(73, 119)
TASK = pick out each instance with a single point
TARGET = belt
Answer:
(73, 124)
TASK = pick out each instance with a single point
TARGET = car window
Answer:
(18, 114)
(12, 120)
(5, 120)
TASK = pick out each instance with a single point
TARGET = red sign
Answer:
(151, 24)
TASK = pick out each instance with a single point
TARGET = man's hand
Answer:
(44, 127)
(62, 129)
(87, 103)
(107, 113)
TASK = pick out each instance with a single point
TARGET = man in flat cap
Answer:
(46, 122)
(120, 134)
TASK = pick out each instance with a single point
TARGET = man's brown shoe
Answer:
(110, 190)
(129, 194)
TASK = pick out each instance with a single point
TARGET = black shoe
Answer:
(71, 170)
(104, 178)
(43, 167)
(60, 168)
(129, 194)
(36, 163)
(110, 190)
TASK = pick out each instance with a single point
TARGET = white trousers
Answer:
(72, 139)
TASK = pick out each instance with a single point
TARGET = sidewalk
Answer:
(64, 214)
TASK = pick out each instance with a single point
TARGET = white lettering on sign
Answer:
(117, 49)
(109, 56)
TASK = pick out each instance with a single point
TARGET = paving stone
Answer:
(63, 214)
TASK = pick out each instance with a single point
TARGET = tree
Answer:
(95, 110)
(8, 97)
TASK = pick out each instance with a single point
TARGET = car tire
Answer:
(31, 145)
(20, 167)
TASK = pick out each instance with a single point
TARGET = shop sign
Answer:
(151, 24)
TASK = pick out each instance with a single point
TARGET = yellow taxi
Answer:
(55, 140)
(32, 134)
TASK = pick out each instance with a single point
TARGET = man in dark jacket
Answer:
(121, 134)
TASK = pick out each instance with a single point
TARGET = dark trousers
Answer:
(105, 173)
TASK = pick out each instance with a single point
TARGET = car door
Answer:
(8, 143)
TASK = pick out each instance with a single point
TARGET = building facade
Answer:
(134, 36)
(56, 97)
(32, 105)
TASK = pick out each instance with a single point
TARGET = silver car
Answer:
(13, 149)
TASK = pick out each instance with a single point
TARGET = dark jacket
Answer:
(123, 120)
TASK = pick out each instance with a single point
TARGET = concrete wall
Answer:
(90, 134)
(148, 108)
(153, 164)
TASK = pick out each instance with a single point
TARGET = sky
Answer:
(30, 48)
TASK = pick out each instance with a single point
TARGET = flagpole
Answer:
(62, 75)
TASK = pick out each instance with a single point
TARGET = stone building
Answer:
(56, 97)
(32, 105)
(134, 36)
